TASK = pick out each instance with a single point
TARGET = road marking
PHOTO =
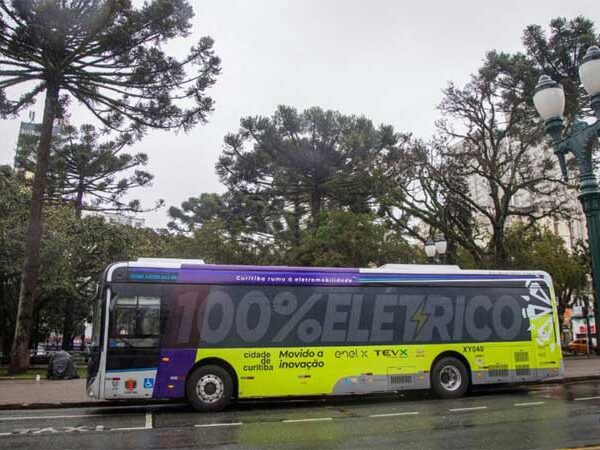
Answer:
(4, 419)
(411, 413)
(582, 399)
(529, 404)
(473, 408)
(316, 419)
(149, 419)
(127, 428)
(5, 434)
(227, 424)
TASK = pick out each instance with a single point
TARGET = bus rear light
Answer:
(165, 359)
(171, 386)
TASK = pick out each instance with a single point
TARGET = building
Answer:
(571, 228)
(29, 134)
(118, 218)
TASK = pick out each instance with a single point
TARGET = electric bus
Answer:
(210, 334)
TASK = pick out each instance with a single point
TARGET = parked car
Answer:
(580, 346)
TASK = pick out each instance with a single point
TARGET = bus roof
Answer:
(176, 263)
(196, 271)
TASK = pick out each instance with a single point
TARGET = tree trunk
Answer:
(297, 219)
(68, 331)
(499, 249)
(315, 207)
(19, 357)
(79, 198)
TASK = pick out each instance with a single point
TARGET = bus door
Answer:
(133, 340)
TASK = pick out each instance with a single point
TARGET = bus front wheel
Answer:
(209, 388)
(449, 378)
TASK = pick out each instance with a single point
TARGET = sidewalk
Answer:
(579, 368)
(16, 394)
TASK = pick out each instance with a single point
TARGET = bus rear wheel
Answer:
(209, 388)
(449, 378)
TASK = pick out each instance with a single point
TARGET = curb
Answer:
(141, 402)
(88, 404)
(573, 379)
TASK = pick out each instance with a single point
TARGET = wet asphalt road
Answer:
(540, 416)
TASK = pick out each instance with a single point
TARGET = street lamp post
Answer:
(549, 100)
(436, 248)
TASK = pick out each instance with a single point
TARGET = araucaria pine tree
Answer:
(109, 56)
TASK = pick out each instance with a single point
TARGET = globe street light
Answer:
(430, 248)
(549, 100)
(438, 247)
(441, 245)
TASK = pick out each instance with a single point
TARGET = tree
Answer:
(490, 141)
(90, 174)
(110, 57)
(303, 163)
(244, 216)
(557, 54)
(231, 228)
(535, 248)
(346, 239)
(415, 200)
(13, 217)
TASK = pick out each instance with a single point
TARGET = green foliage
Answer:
(84, 170)
(559, 54)
(13, 216)
(109, 56)
(489, 137)
(531, 248)
(304, 162)
(347, 239)
(74, 253)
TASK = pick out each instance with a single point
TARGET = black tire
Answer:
(449, 378)
(215, 392)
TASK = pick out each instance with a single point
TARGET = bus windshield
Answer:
(97, 320)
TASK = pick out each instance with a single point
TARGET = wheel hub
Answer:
(210, 388)
(450, 378)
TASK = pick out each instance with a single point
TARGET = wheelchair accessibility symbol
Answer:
(148, 383)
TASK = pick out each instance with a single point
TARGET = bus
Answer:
(210, 334)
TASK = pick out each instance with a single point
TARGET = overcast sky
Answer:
(386, 59)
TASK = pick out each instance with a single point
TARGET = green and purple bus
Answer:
(182, 329)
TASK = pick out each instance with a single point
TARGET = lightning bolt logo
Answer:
(420, 317)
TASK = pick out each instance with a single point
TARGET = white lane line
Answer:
(473, 408)
(529, 404)
(4, 419)
(582, 399)
(227, 424)
(149, 419)
(411, 413)
(127, 428)
(316, 419)
(5, 434)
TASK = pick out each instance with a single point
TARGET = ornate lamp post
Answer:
(549, 100)
(438, 247)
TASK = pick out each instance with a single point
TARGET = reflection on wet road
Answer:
(540, 416)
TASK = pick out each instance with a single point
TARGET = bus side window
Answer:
(136, 322)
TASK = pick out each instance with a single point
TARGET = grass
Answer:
(31, 373)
